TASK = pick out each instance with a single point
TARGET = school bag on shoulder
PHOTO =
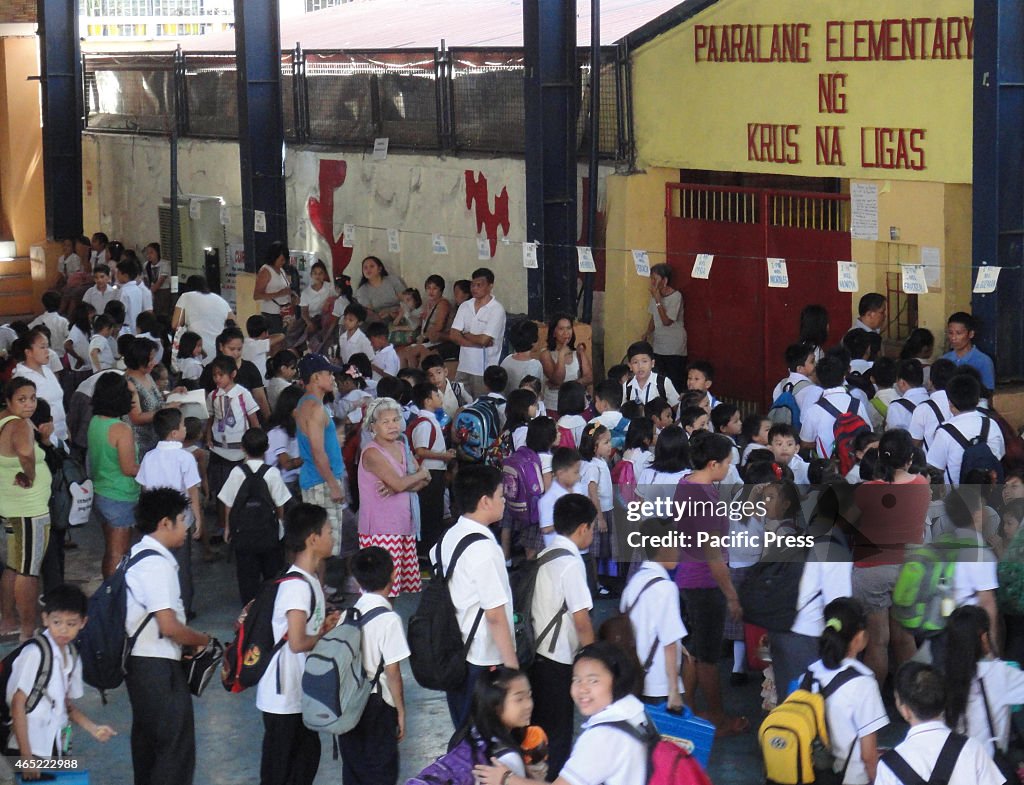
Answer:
(626, 614)
(524, 485)
(335, 687)
(922, 598)
(438, 654)
(104, 644)
(524, 581)
(624, 482)
(977, 454)
(253, 520)
(475, 431)
(565, 438)
(456, 766)
(944, 764)
(35, 695)
(794, 737)
(847, 427)
(667, 763)
(770, 592)
(619, 434)
(248, 656)
(416, 421)
(784, 409)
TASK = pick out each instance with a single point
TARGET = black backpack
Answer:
(770, 592)
(524, 582)
(977, 453)
(253, 519)
(438, 656)
(38, 685)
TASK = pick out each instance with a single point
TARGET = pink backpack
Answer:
(667, 763)
(565, 438)
(624, 480)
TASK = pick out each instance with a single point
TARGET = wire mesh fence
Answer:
(459, 100)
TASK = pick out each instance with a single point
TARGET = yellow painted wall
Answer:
(21, 143)
(636, 219)
(691, 114)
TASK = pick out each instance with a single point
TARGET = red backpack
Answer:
(415, 421)
(624, 482)
(667, 763)
(565, 438)
(847, 427)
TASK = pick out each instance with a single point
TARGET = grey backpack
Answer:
(335, 687)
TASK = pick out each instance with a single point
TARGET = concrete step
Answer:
(16, 296)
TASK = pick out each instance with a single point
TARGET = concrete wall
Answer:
(12, 11)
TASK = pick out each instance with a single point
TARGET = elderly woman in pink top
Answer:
(389, 478)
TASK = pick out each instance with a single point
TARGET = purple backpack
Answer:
(524, 485)
(456, 766)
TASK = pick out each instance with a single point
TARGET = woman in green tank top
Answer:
(24, 503)
(113, 464)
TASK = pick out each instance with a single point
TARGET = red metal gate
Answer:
(733, 318)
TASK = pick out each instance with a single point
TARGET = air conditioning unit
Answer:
(195, 236)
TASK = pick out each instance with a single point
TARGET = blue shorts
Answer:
(115, 514)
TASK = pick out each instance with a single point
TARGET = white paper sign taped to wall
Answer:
(778, 275)
(530, 256)
(848, 277)
(642, 262)
(914, 281)
(702, 266)
(585, 255)
(986, 281)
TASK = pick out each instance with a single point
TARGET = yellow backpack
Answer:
(794, 736)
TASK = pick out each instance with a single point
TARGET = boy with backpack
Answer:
(254, 496)
(818, 423)
(426, 438)
(524, 480)
(651, 603)
(931, 752)
(170, 465)
(969, 440)
(476, 427)
(369, 752)
(910, 386)
(797, 392)
(646, 384)
(163, 727)
(291, 752)
(454, 395)
(566, 463)
(935, 411)
(607, 400)
(477, 581)
(560, 615)
(43, 676)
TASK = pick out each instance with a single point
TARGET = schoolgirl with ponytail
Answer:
(853, 703)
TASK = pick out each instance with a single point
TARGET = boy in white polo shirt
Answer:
(946, 451)
(646, 384)
(291, 752)
(369, 752)
(479, 585)
(921, 701)
(430, 450)
(351, 338)
(170, 465)
(651, 601)
(566, 464)
(163, 727)
(818, 421)
(910, 385)
(935, 411)
(385, 360)
(561, 622)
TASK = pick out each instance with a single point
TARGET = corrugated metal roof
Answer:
(410, 24)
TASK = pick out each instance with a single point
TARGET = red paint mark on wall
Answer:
(321, 213)
(486, 219)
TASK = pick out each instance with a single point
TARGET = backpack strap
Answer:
(42, 675)
(958, 437)
(556, 621)
(647, 735)
(908, 405)
(361, 620)
(935, 410)
(901, 768)
(944, 764)
(288, 575)
(132, 561)
(854, 406)
(988, 712)
(825, 404)
(845, 676)
(649, 659)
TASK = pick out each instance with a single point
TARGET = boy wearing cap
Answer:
(323, 470)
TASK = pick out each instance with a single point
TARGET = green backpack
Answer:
(923, 596)
(1010, 593)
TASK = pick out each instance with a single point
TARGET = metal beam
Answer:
(260, 125)
(551, 97)
(998, 189)
(61, 69)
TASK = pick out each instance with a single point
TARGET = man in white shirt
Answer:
(818, 421)
(935, 411)
(801, 363)
(479, 585)
(946, 451)
(479, 328)
(54, 322)
(130, 294)
(561, 622)
(163, 729)
(871, 310)
(910, 385)
(921, 701)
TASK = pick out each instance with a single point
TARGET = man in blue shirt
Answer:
(960, 334)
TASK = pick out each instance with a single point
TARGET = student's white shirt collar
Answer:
(168, 445)
(427, 414)
(151, 542)
(623, 709)
(561, 541)
(925, 727)
(370, 600)
(654, 567)
(839, 389)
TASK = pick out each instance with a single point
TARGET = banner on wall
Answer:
(302, 261)
(235, 265)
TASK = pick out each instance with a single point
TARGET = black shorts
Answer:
(705, 611)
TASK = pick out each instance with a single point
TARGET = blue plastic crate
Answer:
(61, 777)
(685, 729)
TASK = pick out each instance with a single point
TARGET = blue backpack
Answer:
(103, 644)
(784, 409)
(977, 454)
(475, 432)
